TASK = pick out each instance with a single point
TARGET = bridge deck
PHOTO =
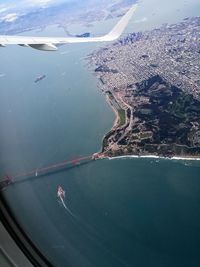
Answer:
(46, 170)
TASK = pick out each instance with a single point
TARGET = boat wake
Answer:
(61, 196)
(68, 210)
(85, 228)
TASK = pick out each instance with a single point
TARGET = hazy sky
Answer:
(13, 5)
(9, 5)
(10, 10)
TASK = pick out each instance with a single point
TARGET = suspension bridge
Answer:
(39, 172)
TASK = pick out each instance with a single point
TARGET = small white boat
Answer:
(60, 192)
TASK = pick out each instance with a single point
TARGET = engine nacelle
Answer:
(24, 45)
(44, 47)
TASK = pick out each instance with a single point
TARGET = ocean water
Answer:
(122, 212)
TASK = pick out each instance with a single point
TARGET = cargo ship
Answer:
(40, 78)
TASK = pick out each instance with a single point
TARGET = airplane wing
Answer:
(51, 43)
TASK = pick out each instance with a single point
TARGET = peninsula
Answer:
(151, 80)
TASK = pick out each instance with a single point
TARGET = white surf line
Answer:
(155, 157)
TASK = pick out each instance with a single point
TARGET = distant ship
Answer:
(61, 196)
(39, 78)
(60, 192)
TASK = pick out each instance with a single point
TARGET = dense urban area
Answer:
(152, 82)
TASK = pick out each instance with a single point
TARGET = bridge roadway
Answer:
(47, 170)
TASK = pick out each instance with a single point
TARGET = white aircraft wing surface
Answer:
(51, 43)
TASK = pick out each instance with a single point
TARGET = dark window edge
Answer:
(25, 244)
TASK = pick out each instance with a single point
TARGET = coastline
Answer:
(155, 157)
(117, 118)
(115, 126)
(158, 122)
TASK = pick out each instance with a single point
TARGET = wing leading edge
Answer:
(51, 43)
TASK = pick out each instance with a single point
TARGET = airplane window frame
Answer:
(28, 248)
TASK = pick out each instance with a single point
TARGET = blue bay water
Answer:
(126, 212)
